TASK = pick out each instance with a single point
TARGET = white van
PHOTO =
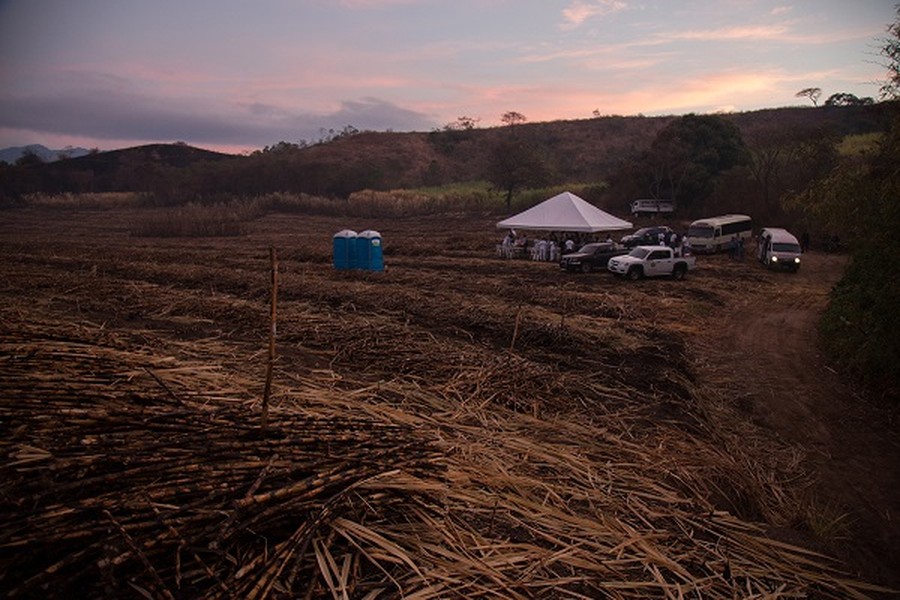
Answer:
(649, 206)
(778, 249)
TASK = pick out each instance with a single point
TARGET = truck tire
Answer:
(586, 267)
(635, 273)
(679, 271)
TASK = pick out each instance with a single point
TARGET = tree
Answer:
(859, 200)
(783, 160)
(512, 118)
(687, 155)
(812, 93)
(890, 89)
(29, 158)
(514, 165)
(281, 147)
(463, 123)
(846, 99)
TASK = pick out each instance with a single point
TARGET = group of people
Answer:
(553, 246)
(545, 248)
(736, 248)
(680, 244)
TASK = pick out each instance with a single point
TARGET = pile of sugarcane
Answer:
(119, 478)
(144, 497)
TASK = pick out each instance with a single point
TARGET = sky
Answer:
(239, 75)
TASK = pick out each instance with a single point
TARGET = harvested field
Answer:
(455, 427)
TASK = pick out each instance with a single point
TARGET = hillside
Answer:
(584, 151)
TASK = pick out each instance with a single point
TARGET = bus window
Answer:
(700, 231)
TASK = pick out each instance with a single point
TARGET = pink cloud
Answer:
(759, 32)
(374, 3)
(714, 92)
(580, 11)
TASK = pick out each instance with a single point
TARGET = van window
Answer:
(786, 247)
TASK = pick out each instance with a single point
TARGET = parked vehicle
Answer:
(651, 206)
(591, 257)
(778, 249)
(646, 236)
(652, 261)
(715, 233)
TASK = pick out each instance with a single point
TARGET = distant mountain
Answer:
(12, 154)
(178, 155)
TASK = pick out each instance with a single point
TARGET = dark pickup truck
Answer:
(646, 236)
(590, 257)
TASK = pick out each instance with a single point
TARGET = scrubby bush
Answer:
(859, 199)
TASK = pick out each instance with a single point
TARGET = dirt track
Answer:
(781, 381)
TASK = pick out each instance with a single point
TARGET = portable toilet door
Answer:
(361, 244)
(370, 241)
(344, 243)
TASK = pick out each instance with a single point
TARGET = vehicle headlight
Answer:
(774, 259)
(797, 260)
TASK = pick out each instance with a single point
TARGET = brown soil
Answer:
(769, 360)
(728, 356)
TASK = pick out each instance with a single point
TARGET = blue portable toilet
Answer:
(344, 243)
(369, 254)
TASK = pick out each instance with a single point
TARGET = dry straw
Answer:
(412, 450)
(128, 473)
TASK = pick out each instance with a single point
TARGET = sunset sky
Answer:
(237, 75)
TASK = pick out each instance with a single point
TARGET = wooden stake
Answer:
(273, 259)
(512, 344)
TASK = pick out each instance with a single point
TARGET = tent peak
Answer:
(565, 212)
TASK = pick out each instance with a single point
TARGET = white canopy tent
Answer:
(565, 212)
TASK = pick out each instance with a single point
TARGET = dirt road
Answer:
(770, 360)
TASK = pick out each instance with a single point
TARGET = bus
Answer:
(715, 233)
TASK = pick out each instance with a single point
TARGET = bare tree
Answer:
(462, 123)
(812, 93)
(890, 89)
(512, 118)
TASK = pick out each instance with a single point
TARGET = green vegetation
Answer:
(685, 159)
(604, 149)
(859, 199)
(860, 145)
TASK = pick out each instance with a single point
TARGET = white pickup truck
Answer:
(651, 261)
